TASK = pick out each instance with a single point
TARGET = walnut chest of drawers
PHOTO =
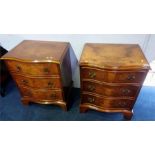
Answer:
(42, 71)
(111, 77)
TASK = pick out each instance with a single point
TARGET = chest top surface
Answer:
(114, 56)
(38, 51)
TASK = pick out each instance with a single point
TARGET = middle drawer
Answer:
(110, 90)
(38, 83)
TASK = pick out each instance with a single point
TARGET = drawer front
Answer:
(38, 83)
(113, 76)
(47, 95)
(107, 102)
(107, 90)
(35, 69)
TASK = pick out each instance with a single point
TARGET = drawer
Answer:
(113, 103)
(35, 69)
(110, 90)
(113, 76)
(51, 95)
(38, 83)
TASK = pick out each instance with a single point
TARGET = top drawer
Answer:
(113, 76)
(34, 69)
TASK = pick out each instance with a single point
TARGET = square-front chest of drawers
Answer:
(42, 71)
(111, 77)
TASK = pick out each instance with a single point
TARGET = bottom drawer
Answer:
(51, 95)
(112, 103)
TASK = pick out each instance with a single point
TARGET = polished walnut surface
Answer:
(42, 71)
(111, 77)
(38, 51)
(114, 56)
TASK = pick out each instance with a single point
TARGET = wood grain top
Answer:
(38, 51)
(114, 56)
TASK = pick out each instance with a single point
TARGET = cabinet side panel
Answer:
(66, 72)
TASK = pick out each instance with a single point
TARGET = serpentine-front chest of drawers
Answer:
(42, 71)
(111, 77)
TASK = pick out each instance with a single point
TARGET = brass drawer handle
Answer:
(50, 84)
(92, 74)
(46, 70)
(126, 91)
(25, 82)
(91, 100)
(18, 68)
(122, 104)
(131, 77)
(91, 88)
(53, 95)
(29, 94)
